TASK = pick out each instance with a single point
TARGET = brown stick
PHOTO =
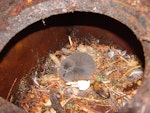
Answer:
(11, 88)
(87, 108)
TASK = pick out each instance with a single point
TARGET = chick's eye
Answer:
(67, 66)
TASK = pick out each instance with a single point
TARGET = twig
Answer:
(11, 99)
(87, 108)
(108, 110)
(143, 109)
(88, 99)
(24, 107)
(117, 92)
(113, 102)
(43, 21)
(70, 41)
(129, 63)
(56, 103)
(55, 59)
(35, 79)
(11, 88)
(64, 102)
(125, 96)
(108, 65)
(128, 71)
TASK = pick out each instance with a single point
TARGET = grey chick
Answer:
(77, 66)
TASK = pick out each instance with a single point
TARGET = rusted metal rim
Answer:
(134, 14)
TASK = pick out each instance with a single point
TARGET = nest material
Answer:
(114, 83)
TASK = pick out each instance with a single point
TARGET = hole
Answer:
(26, 53)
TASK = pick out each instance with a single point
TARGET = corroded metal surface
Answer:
(132, 13)
(17, 15)
(6, 107)
(23, 52)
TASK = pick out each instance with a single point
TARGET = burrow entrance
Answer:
(31, 60)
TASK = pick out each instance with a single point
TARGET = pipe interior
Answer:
(31, 45)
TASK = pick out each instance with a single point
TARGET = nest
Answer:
(116, 79)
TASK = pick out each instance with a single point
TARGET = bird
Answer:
(77, 66)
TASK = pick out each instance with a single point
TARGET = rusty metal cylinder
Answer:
(30, 29)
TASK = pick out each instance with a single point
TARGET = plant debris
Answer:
(113, 84)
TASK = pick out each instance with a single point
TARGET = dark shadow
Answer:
(19, 36)
(81, 18)
(100, 21)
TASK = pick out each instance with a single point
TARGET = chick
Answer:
(77, 66)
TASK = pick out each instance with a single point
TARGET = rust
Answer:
(31, 48)
(145, 38)
(6, 107)
(16, 10)
(108, 8)
(17, 15)
(23, 5)
(3, 25)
